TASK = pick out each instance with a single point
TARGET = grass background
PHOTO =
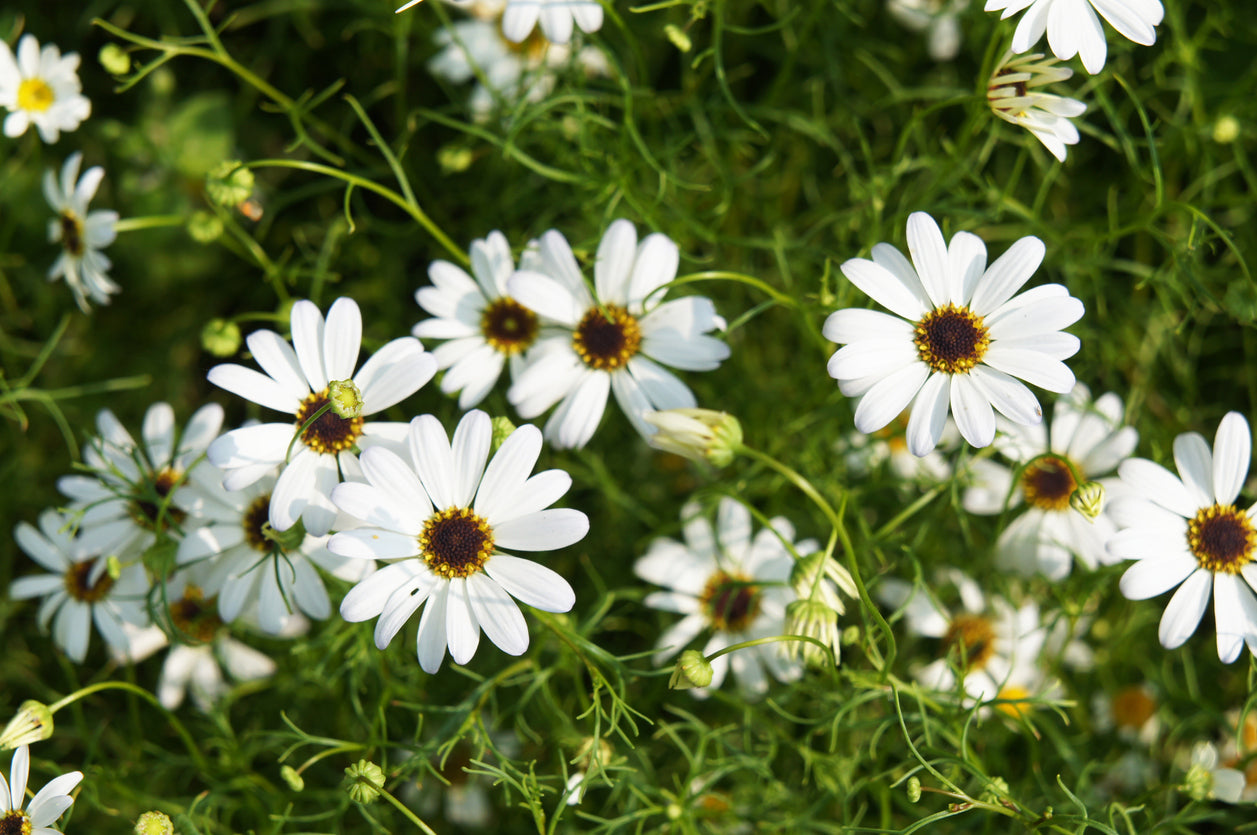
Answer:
(791, 137)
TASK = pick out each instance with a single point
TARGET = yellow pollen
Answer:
(532, 48)
(951, 339)
(35, 95)
(77, 577)
(731, 601)
(255, 517)
(15, 822)
(972, 639)
(607, 343)
(330, 433)
(1221, 538)
(1048, 484)
(508, 326)
(455, 542)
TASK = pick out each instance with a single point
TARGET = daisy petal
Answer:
(1183, 613)
(531, 583)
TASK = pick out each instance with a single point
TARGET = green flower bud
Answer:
(292, 778)
(205, 227)
(678, 37)
(812, 619)
(366, 781)
(32, 723)
(697, 434)
(229, 184)
(154, 823)
(220, 337)
(1088, 499)
(1226, 130)
(454, 159)
(692, 670)
(346, 398)
(114, 59)
(914, 790)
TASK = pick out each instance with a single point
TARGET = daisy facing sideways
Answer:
(1073, 28)
(441, 519)
(313, 453)
(1013, 97)
(48, 804)
(959, 338)
(1186, 531)
(82, 234)
(615, 341)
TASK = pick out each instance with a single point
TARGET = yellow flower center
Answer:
(532, 48)
(151, 509)
(951, 339)
(1048, 484)
(15, 822)
(456, 542)
(1222, 538)
(972, 639)
(1013, 698)
(508, 326)
(1133, 706)
(79, 585)
(731, 601)
(330, 433)
(607, 342)
(35, 95)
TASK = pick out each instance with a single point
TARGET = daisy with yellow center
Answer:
(48, 804)
(1086, 440)
(733, 583)
(317, 446)
(441, 520)
(1186, 531)
(485, 329)
(1013, 96)
(959, 340)
(616, 340)
(1073, 28)
(41, 87)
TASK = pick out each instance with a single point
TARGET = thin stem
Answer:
(134, 224)
(322, 410)
(401, 807)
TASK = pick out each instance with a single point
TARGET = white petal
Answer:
(497, 614)
(577, 417)
(254, 386)
(342, 337)
(655, 266)
(531, 583)
(1183, 613)
(614, 261)
(401, 604)
(1155, 575)
(276, 357)
(929, 415)
(886, 400)
(972, 411)
(1158, 484)
(434, 461)
(367, 599)
(853, 323)
(1195, 467)
(886, 288)
(506, 474)
(393, 373)
(1232, 450)
(1007, 275)
(307, 340)
(470, 449)
(1234, 614)
(929, 257)
(544, 530)
(461, 629)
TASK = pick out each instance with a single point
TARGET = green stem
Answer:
(807, 639)
(322, 410)
(188, 742)
(401, 807)
(751, 281)
(134, 224)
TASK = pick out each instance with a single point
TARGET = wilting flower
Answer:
(41, 87)
(82, 234)
(1012, 96)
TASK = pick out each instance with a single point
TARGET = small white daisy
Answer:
(959, 339)
(81, 589)
(1073, 28)
(486, 329)
(1085, 437)
(1012, 96)
(733, 583)
(1188, 530)
(442, 518)
(296, 382)
(1130, 712)
(136, 492)
(939, 19)
(1221, 781)
(82, 234)
(618, 342)
(41, 87)
(556, 17)
(248, 571)
(48, 804)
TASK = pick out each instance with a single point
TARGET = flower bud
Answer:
(692, 670)
(114, 59)
(1226, 130)
(813, 619)
(205, 227)
(678, 37)
(154, 823)
(366, 781)
(294, 780)
(914, 790)
(815, 577)
(346, 398)
(32, 723)
(229, 183)
(697, 434)
(220, 337)
(1088, 499)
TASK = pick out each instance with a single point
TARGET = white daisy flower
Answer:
(249, 571)
(939, 19)
(959, 338)
(313, 461)
(1085, 437)
(41, 87)
(733, 583)
(1188, 530)
(617, 342)
(556, 17)
(1073, 28)
(82, 234)
(48, 804)
(888, 447)
(136, 493)
(1220, 781)
(1012, 97)
(505, 71)
(81, 588)
(442, 517)
(486, 329)
(1130, 712)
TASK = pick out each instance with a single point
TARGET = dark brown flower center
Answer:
(607, 342)
(80, 585)
(195, 618)
(15, 822)
(72, 233)
(1222, 538)
(508, 326)
(152, 509)
(456, 542)
(1048, 484)
(330, 433)
(1133, 706)
(731, 601)
(254, 518)
(972, 639)
(951, 339)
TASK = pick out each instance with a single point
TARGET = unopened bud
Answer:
(454, 159)
(697, 434)
(229, 183)
(366, 781)
(678, 37)
(32, 723)
(205, 227)
(154, 823)
(502, 429)
(294, 780)
(1088, 499)
(1226, 130)
(220, 337)
(811, 618)
(346, 398)
(816, 576)
(692, 670)
(914, 790)
(113, 567)
(114, 59)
